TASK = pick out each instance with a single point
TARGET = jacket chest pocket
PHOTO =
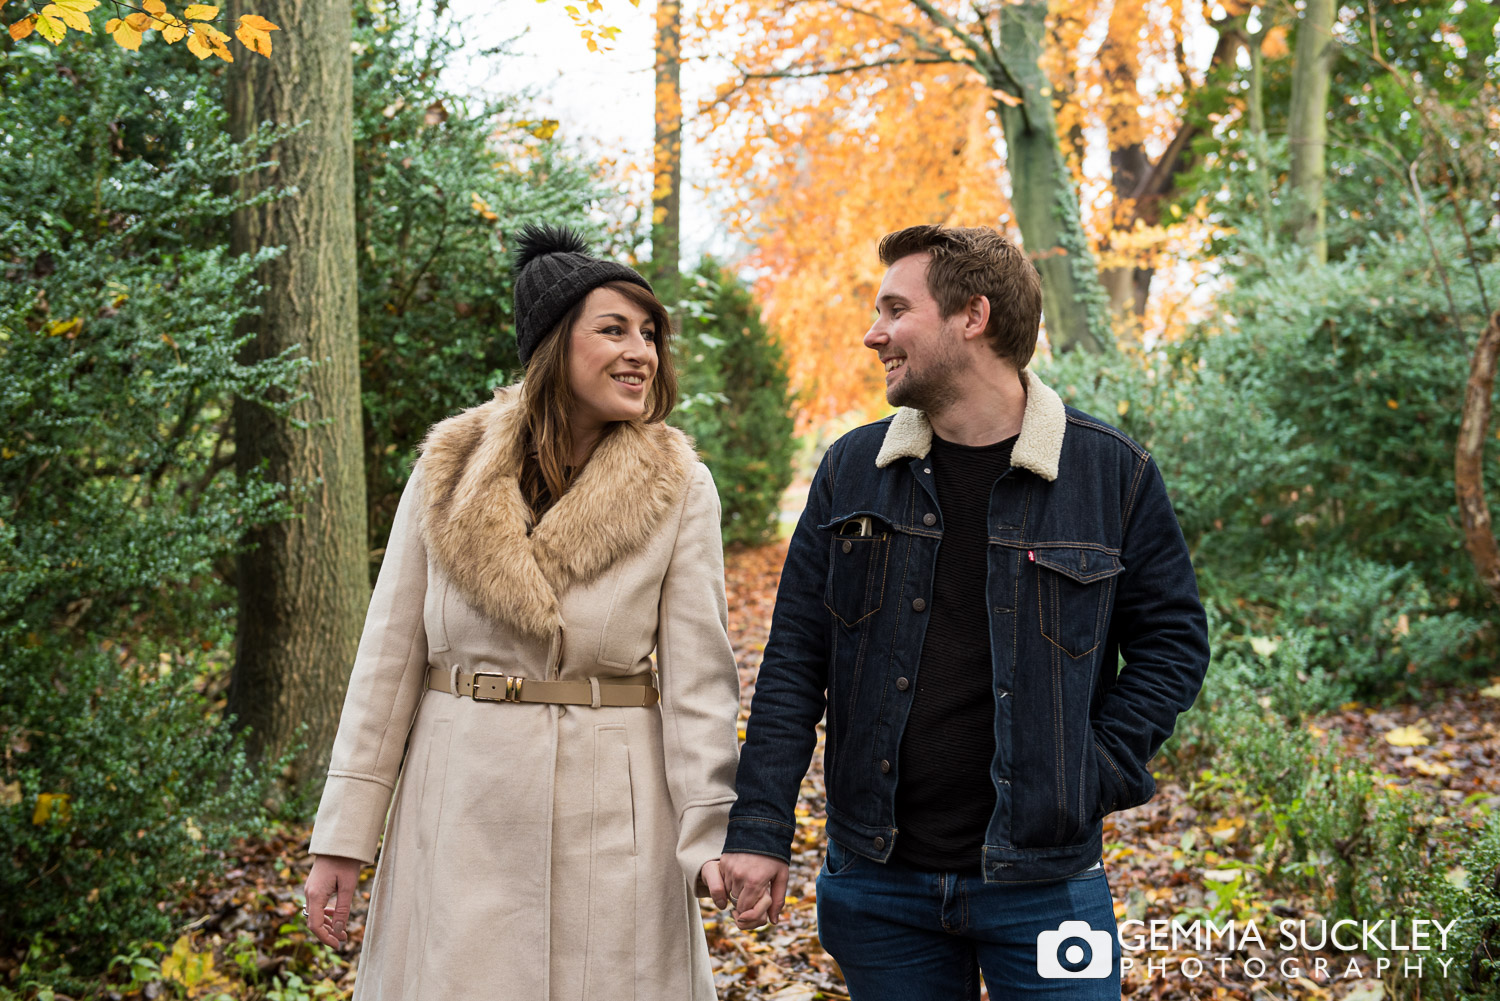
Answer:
(1075, 592)
(858, 558)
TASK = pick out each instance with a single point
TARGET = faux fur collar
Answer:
(474, 518)
(1038, 449)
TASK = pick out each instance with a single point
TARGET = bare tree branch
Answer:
(805, 74)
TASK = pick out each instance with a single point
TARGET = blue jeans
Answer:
(904, 934)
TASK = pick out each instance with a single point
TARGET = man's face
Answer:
(919, 349)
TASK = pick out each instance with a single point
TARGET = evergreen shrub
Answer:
(1306, 435)
(736, 401)
(119, 782)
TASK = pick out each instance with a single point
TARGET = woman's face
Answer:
(611, 361)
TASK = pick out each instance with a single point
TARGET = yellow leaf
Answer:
(254, 39)
(257, 22)
(213, 35)
(1123, 407)
(140, 21)
(593, 45)
(24, 27)
(1274, 46)
(1406, 736)
(124, 35)
(81, 6)
(1392, 404)
(223, 53)
(1434, 768)
(200, 12)
(198, 46)
(154, 7)
(1493, 691)
(174, 31)
(545, 128)
(1263, 645)
(50, 804)
(77, 20)
(10, 794)
(50, 28)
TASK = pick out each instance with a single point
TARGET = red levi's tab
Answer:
(1030, 555)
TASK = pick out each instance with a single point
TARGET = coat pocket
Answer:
(1075, 592)
(858, 558)
(614, 804)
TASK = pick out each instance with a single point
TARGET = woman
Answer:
(556, 807)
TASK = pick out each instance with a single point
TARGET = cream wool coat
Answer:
(536, 852)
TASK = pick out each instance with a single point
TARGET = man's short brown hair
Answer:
(967, 262)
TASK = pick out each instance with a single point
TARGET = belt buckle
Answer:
(512, 692)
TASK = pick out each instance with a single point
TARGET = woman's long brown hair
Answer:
(548, 401)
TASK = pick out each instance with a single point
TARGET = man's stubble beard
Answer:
(931, 389)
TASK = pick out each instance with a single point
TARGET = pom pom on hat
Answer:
(534, 241)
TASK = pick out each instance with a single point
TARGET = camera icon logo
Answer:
(1074, 951)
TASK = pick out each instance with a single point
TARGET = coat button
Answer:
(848, 546)
(919, 605)
(879, 843)
(929, 518)
(885, 767)
(902, 684)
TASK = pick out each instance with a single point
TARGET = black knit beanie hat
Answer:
(553, 271)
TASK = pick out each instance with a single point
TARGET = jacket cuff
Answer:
(757, 836)
(700, 839)
(350, 818)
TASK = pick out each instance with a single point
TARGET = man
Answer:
(957, 597)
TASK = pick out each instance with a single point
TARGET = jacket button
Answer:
(885, 767)
(848, 546)
(919, 605)
(929, 518)
(879, 843)
(902, 684)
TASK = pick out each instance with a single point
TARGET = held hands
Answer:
(330, 891)
(754, 886)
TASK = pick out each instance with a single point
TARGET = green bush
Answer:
(1307, 437)
(736, 402)
(118, 360)
(156, 793)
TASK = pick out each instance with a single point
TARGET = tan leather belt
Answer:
(481, 686)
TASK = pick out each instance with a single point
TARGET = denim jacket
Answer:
(1097, 640)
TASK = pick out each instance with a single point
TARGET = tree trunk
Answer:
(1074, 304)
(1128, 286)
(1256, 103)
(1307, 124)
(304, 586)
(1468, 460)
(666, 198)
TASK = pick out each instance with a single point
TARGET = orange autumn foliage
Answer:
(820, 157)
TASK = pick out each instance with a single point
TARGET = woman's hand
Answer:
(714, 880)
(330, 891)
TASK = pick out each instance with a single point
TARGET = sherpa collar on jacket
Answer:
(474, 518)
(1038, 448)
